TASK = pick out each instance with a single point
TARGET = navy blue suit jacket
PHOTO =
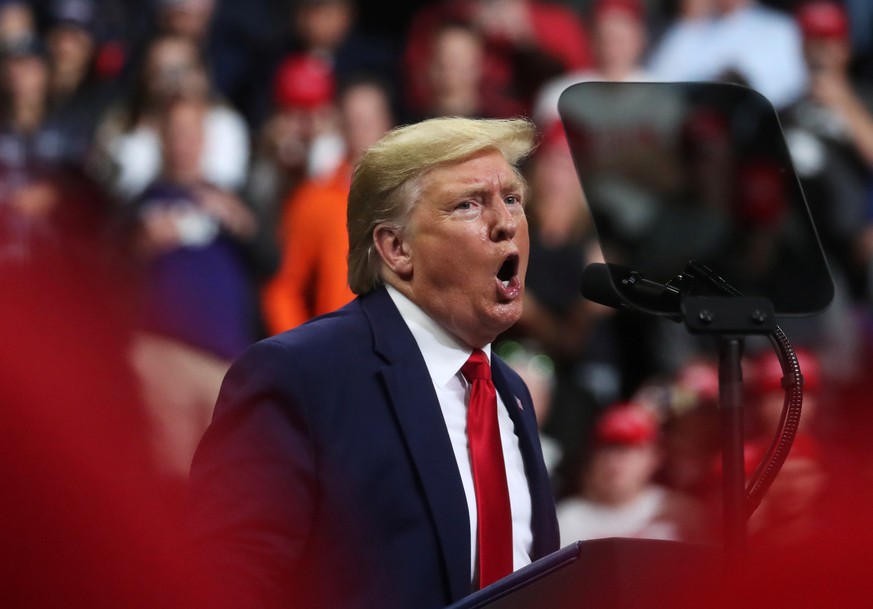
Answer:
(327, 478)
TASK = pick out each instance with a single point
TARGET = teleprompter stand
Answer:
(731, 319)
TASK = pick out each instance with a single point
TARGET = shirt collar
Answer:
(443, 353)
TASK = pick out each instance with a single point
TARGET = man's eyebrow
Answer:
(513, 185)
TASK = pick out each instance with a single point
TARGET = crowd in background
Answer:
(176, 170)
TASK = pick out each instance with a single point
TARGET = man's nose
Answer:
(504, 223)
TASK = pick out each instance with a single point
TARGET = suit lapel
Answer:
(415, 403)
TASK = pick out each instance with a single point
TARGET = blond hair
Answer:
(385, 182)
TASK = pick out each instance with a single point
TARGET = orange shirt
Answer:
(312, 278)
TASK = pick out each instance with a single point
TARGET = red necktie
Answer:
(489, 473)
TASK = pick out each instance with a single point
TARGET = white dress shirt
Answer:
(444, 356)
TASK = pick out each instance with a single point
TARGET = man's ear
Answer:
(394, 250)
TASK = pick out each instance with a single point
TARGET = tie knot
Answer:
(477, 366)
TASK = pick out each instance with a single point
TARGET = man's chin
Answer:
(504, 316)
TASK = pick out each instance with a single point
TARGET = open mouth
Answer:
(508, 270)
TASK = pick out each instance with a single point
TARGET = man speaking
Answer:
(380, 456)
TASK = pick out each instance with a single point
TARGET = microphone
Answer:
(619, 287)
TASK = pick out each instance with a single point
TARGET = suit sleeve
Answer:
(253, 482)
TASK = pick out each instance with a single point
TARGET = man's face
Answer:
(26, 77)
(467, 240)
(70, 46)
(620, 472)
(827, 54)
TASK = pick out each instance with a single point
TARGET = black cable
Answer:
(789, 422)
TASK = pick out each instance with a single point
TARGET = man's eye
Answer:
(514, 203)
(464, 205)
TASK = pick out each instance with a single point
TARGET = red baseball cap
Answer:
(823, 19)
(626, 423)
(303, 81)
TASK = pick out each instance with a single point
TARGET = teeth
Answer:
(506, 283)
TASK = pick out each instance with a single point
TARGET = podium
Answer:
(612, 573)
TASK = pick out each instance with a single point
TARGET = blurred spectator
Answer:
(187, 18)
(199, 267)
(17, 21)
(128, 150)
(527, 42)
(829, 132)
(619, 40)
(453, 74)
(300, 139)
(327, 28)
(25, 99)
(81, 87)
(330, 31)
(744, 41)
(692, 432)
(230, 37)
(313, 276)
(242, 51)
(25, 103)
(33, 151)
(115, 29)
(687, 27)
(617, 496)
(195, 240)
(71, 45)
